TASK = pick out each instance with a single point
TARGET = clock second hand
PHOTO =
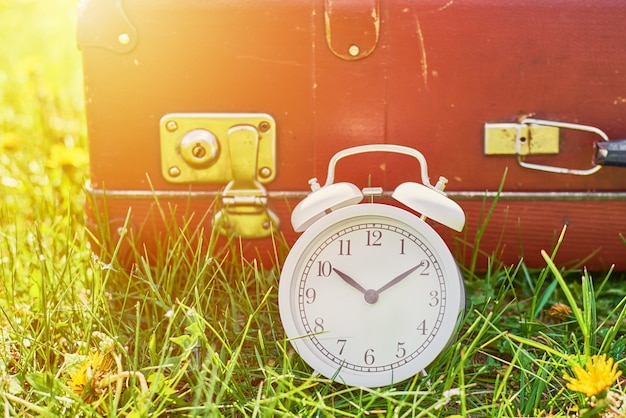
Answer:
(371, 295)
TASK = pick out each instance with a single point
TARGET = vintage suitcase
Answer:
(201, 111)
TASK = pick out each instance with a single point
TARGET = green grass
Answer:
(198, 334)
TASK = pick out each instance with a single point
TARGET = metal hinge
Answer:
(352, 28)
(235, 150)
(105, 24)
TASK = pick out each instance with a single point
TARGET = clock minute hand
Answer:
(399, 278)
(350, 281)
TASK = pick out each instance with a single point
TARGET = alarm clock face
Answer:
(370, 295)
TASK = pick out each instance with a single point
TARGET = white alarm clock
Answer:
(370, 294)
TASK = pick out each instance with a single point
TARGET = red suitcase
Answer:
(208, 110)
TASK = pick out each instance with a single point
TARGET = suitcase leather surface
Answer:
(338, 73)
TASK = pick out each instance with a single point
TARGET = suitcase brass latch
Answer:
(244, 213)
(520, 139)
(534, 136)
(234, 150)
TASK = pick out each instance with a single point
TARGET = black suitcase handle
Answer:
(610, 153)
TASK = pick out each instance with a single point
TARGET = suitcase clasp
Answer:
(235, 150)
(534, 136)
(195, 147)
(244, 213)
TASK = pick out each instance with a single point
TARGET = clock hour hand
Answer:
(350, 281)
(370, 295)
(399, 278)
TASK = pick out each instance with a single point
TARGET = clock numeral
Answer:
(310, 295)
(434, 301)
(400, 350)
(369, 358)
(324, 268)
(319, 325)
(344, 247)
(422, 327)
(373, 238)
(402, 247)
(425, 268)
(342, 344)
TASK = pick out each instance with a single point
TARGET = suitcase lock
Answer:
(535, 136)
(234, 150)
(244, 213)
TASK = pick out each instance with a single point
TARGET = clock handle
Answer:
(429, 200)
(398, 149)
(424, 198)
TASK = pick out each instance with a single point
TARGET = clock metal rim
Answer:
(451, 276)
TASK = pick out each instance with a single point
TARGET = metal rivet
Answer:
(265, 172)
(354, 50)
(174, 171)
(264, 126)
(171, 126)
(123, 38)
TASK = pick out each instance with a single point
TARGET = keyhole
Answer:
(198, 151)
(199, 148)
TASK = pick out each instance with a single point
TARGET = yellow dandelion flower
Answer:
(9, 141)
(67, 158)
(597, 376)
(559, 311)
(86, 380)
